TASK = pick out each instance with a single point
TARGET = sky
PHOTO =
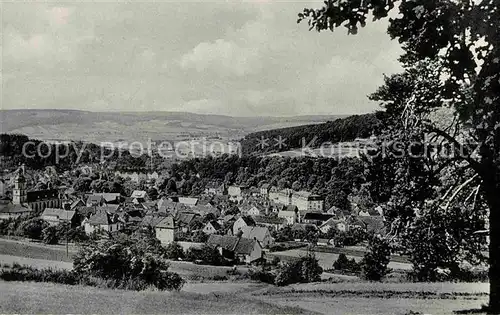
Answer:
(212, 57)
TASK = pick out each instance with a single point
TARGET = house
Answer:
(316, 217)
(188, 201)
(110, 198)
(333, 223)
(273, 193)
(204, 210)
(138, 196)
(211, 227)
(272, 223)
(235, 193)
(264, 190)
(166, 230)
(95, 201)
(185, 220)
(102, 221)
(75, 204)
(285, 196)
(232, 247)
(55, 216)
(256, 210)
(9, 210)
(307, 201)
(258, 233)
(241, 222)
(214, 188)
(291, 214)
(323, 242)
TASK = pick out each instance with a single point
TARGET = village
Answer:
(243, 223)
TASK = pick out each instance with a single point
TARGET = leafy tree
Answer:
(375, 261)
(174, 251)
(305, 269)
(50, 235)
(32, 228)
(463, 37)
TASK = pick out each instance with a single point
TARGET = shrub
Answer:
(125, 262)
(174, 251)
(375, 261)
(344, 264)
(32, 228)
(262, 276)
(42, 275)
(304, 270)
(206, 255)
(50, 235)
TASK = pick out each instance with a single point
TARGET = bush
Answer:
(25, 273)
(344, 264)
(375, 261)
(32, 228)
(50, 235)
(174, 251)
(206, 255)
(304, 270)
(125, 262)
(261, 276)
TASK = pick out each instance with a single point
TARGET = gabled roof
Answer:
(166, 223)
(75, 203)
(215, 225)
(100, 218)
(151, 220)
(109, 208)
(265, 186)
(242, 246)
(255, 232)
(293, 208)
(186, 218)
(58, 213)
(247, 220)
(332, 222)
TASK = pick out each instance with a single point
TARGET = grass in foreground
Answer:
(18, 297)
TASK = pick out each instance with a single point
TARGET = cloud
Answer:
(223, 57)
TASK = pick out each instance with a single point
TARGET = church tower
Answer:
(19, 191)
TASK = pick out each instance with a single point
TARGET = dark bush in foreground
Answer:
(344, 264)
(304, 270)
(124, 262)
(39, 275)
(375, 261)
(262, 276)
(206, 255)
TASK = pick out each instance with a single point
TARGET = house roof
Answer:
(186, 218)
(14, 209)
(39, 195)
(109, 197)
(215, 225)
(151, 220)
(232, 243)
(100, 218)
(255, 232)
(76, 202)
(268, 220)
(244, 246)
(95, 198)
(285, 214)
(318, 216)
(166, 223)
(138, 194)
(248, 220)
(293, 208)
(332, 222)
(265, 186)
(188, 201)
(58, 213)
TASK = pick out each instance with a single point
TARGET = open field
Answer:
(31, 298)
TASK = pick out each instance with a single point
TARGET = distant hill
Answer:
(339, 130)
(138, 126)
